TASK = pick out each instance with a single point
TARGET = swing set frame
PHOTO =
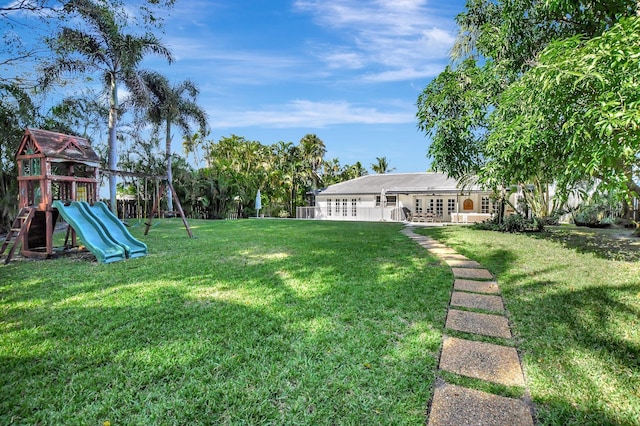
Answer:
(162, 186)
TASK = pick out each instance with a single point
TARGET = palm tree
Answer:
(331, 170)
(313, 151)
(354, 171)
(173, 104)
(293, 173)
(103, 47)
(190, 144)
(288, 169)
(382, 166)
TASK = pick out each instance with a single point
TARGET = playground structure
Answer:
(161, 191)
(58, 176)
(101, 231)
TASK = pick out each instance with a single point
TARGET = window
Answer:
(337, 207)
(26, 168)
(354, 207)
(430, 206)
(329, 207)
(31, 167)
(485, 205)
(418, 205)
(81, 193)
(344, 207)
(439, 205)
(35, 166)
(451, 205)
(390, 201)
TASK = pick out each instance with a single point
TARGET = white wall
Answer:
(358, 208)
(366, 209)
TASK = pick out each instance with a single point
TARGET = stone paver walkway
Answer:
(477, 301)
(477, 323)
(455, 405)
(476, 309)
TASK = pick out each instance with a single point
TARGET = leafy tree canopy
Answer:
(575, 115)
(538, 92)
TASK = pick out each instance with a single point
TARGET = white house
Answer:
(417, 197)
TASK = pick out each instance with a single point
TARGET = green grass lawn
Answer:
(575, 314)
(251, 322)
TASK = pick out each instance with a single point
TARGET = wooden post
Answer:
(156, 207)
(177, 201)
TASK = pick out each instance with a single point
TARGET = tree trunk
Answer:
(113, 147)
(626, 209)
(169, 167)
(634, 188)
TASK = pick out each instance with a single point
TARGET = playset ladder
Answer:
(18, 229)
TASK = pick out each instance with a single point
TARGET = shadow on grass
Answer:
(585, 316)
(498, 261)
(142, 365)
(578, 350)
(611, 244)
(578, 337)
(606, 243)
(252, 322)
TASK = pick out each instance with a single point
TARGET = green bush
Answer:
(490, 224)
(513, 223)
(552, 220)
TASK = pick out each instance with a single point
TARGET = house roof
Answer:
(57, 145)
(400, 183)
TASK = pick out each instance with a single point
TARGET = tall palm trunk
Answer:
(113, 148)
(169, 167)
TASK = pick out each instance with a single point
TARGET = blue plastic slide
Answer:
(105, 249)
(115, 229)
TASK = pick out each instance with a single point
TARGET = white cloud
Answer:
(348, 60)
(236, 66)
(188, 48)
(398, 34)
(304, 113)
(403, 74)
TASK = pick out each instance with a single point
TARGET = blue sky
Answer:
(349, 71)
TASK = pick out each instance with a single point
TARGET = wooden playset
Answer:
(55, 171)
(51, 166)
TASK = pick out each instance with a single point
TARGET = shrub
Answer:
(552, 220)
(490, 224)
(514, 223)
(586, 215)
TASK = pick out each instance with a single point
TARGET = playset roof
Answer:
(57, 145)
